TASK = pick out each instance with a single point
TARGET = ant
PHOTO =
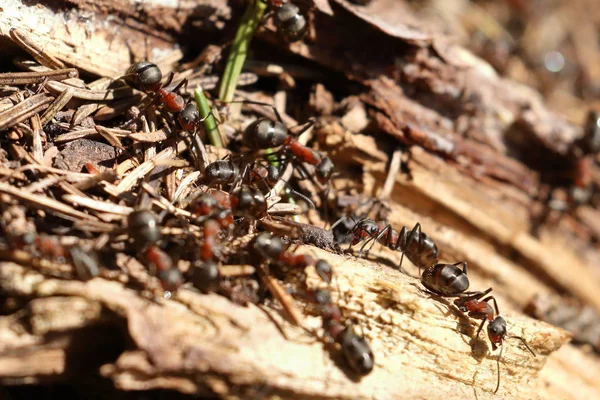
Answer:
(85, 263)
(164, 268)
(265, 133)
(290, 23)
(205, 275)
(215, 204)
(420, 249)
(144, 228)
(146, 77)
(354, 348)
(478, 308)
(274, 249)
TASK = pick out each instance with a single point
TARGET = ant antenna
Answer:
(522, 341)
(498, 369)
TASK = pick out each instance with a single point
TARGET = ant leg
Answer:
(309, 124)
(402, 245)
(381, 233)
(522, 341)
(260, 103)
(169, 79)
(464, 264)
(184, 82)
(480, 328)
(487, 299)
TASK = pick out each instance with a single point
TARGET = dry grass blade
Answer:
(30, 78)
(91, 95)
(44, 203)
(40, 55)
(59, 103)
(285, 299)
(97, 205)
(24, 110)
(150, 137)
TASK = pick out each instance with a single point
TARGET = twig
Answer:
(390, 180)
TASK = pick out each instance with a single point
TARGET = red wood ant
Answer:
(420, 249)
(146, 77)
(143, 227)
(354, 348)
(205, 275)
(478, 308)
(290, 23)
(265, 133)
(163, 267)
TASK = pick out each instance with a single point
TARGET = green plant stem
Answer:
(210, 125)
(239, 49)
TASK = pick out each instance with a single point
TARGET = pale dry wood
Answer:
(422, 347)
(85, 36)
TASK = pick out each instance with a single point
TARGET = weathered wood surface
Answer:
(480, 145)
(422, 345)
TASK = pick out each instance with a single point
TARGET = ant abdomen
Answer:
(144, 76)
(264, 134)
(446, 279)
(290, 23)
(357, 352)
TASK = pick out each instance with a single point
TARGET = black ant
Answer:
(478, 308)
(420, 249)
(290, 23)
(146, 77)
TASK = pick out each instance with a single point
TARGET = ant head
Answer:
(324, 170)
(324, 270)
(357, 352)
(144, 76)
(369, 226)
(322, 297)
(189, 117)
(143, 227)
(269, 246)
(496, 331)
(250, 201)
(205, 275)
(264, 133)
(171, 279)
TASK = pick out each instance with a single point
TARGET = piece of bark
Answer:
(198, 342)
(102, 38)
